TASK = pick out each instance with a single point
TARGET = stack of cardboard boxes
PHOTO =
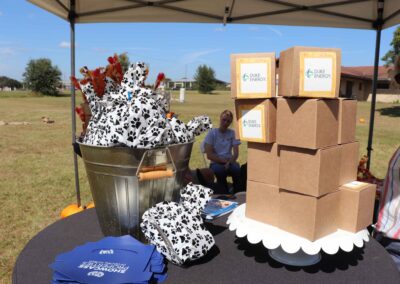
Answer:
(302, 154)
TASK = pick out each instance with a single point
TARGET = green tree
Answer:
(389, 57)
(124, 61)
(205, 79)
(42, 77)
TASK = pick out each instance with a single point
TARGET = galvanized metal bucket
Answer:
(126, 182)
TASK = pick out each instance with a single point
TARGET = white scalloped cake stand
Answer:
(288, 248)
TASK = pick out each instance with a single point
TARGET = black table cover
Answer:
(232, 260)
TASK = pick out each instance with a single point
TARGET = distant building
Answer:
(223, 84)
(7, 89)
(66, 85)
(356, 82)
(190, 84)
(181, 83)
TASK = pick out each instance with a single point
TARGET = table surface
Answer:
(232, 260)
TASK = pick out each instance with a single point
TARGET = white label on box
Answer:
(251, 123)
(253, 78)
(318, 75)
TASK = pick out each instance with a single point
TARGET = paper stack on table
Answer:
(110, 260)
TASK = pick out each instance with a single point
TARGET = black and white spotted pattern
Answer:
(177, 229)
(132, 115)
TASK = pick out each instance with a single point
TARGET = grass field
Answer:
(36, 168)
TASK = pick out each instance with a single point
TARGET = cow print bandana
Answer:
(177, 229)
(133, 115)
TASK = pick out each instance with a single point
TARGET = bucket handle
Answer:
(155, 174)
(157, 171)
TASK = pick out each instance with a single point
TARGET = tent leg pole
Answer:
(373, 98)
(72, 26)
(378, 26)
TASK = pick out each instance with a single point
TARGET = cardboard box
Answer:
(263, 163)
(349, 157)
(310, 172)
(256, 120)
(356, 206)
(309, 72)
(307, 123)
(253, 75)
(347, 121)
(307, 216)
(262, 202)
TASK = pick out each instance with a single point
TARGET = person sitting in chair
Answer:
(219, 145)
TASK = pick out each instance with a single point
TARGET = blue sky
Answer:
(27, 32)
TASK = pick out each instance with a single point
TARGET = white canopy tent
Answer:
(356, 14)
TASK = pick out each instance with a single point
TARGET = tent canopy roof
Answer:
(357, 14)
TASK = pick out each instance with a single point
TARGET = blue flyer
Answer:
(110, 260)
(218, 207)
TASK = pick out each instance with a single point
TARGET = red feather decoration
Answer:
(160, 78)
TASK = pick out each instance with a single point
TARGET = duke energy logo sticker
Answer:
(253, 78)
(318, 74)
(251, 124)
(309, 73)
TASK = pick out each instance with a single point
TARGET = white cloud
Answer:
(197, 55)
(275, 31)
(138, 48)
(261, 29)
(11, 70)
(3, 42)
(44, 49)
(1, 13)
(254, 28)
(101, 50)
(7, 51)
(353, 51)
(220, 29)
(65, 44)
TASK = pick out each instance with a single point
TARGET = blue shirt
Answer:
(222, 142)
